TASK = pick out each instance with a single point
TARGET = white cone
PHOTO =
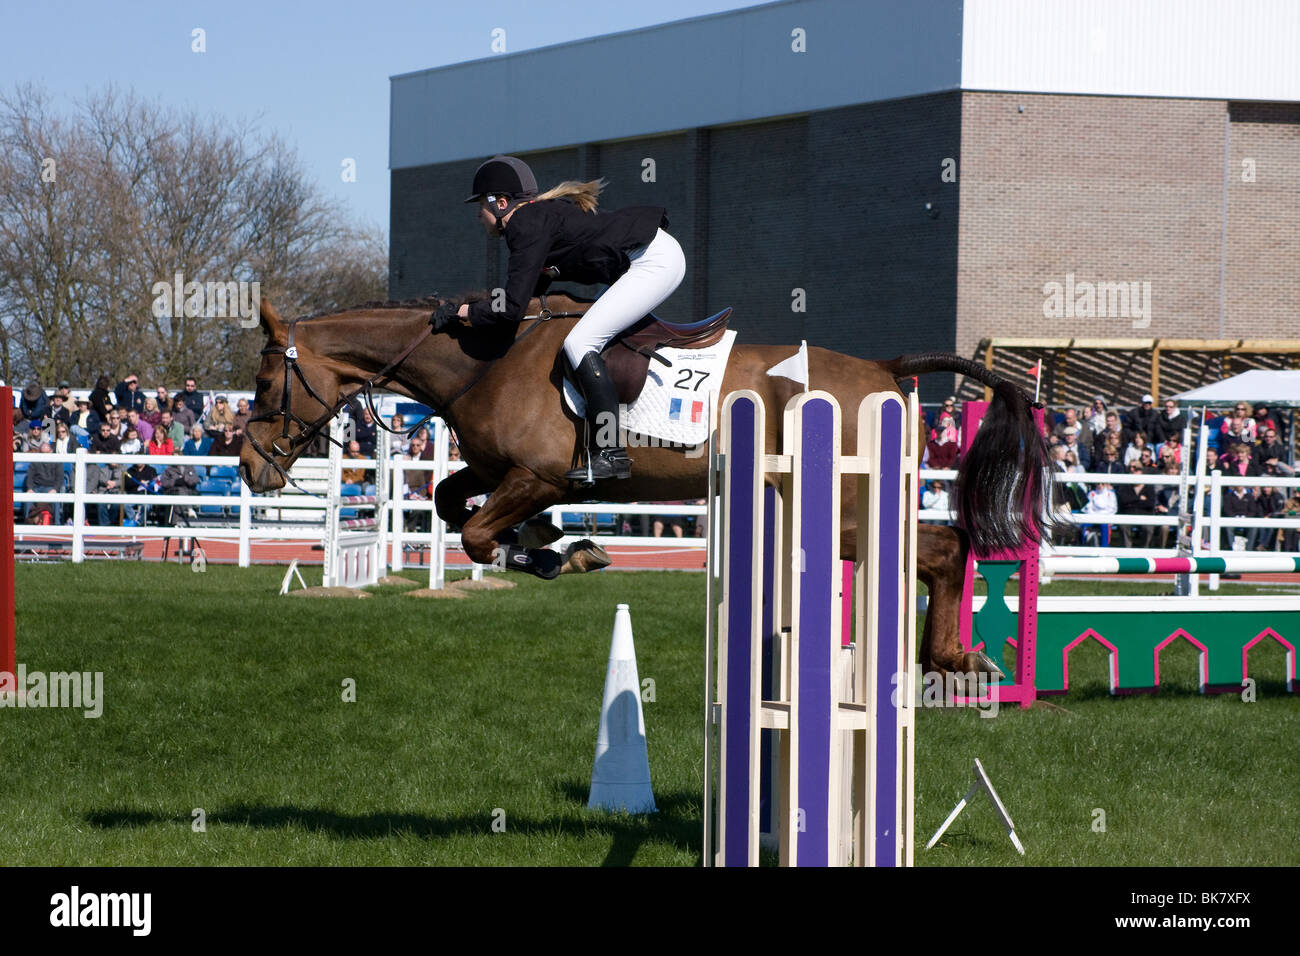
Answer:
(620, 777)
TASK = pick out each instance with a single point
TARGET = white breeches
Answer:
(657, 270)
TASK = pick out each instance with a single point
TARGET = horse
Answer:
(499, 387)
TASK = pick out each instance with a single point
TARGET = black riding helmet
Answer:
(506, 176)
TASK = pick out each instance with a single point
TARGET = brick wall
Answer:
(1107, 189)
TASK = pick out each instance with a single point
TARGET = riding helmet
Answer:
(504, 176)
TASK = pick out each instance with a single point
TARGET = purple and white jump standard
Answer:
(832, 707)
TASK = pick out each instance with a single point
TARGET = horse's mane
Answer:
(430, 302)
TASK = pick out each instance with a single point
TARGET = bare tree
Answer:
(101, 213)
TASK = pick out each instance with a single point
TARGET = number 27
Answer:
(684, 379)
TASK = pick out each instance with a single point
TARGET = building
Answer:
(918, 176)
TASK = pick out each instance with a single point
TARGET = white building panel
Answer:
(1196, 49)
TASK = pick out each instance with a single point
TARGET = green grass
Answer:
(221, 695)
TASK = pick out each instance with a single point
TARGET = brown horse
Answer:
(499, 387)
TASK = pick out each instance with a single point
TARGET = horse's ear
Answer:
(272, 324)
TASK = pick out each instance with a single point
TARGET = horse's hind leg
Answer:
(941, 565)
(486, 534)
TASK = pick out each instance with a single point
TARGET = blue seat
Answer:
(224, 472)
(213, 486)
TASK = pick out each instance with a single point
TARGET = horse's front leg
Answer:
(486, 533)
(453, 491)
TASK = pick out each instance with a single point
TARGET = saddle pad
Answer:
(674, 405)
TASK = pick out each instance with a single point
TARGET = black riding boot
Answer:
(603, 460)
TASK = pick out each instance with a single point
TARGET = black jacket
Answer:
(586, 247)
(1166, 426)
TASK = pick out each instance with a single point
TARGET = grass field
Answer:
(222, 696)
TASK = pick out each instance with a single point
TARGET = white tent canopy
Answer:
(1268, 387)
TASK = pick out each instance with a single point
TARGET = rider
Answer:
(628, 249)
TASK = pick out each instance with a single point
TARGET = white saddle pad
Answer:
(674, 405)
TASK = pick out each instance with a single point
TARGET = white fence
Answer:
(290, 515)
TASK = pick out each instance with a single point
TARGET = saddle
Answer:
(628, 354)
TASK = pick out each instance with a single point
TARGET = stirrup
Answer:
(607, 463)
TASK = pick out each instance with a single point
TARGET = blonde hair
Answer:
(584, 194)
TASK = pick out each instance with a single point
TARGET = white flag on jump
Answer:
(795, 367)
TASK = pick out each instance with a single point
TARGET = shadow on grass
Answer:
(1168, 691)
(676, 823)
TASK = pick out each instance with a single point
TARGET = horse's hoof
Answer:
(583, 556)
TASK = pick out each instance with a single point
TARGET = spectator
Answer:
(1212, 461)
(1237, 503)
(354, 476)
(1170, 422)
(192, 399)
(1263, 420)
(104, 477)
(178, 479)
(227, 443)
(160, 444)
(128, 396)
(1147, 460)
(172, 429)
(118, 424)
(949, 408)
(1239, 426)
(140, 479)
(142, 427)
(164, 399)
(84, 421)
(669, 521)
(242, 414)
(44, 477)
(35, 437)
(183, 414)
(366, 432)
(1169, 502)
(1101, 500)
(1269, 503)
(101, 399)
(1134, 451)
(1077, 452)
(1269, 453)
(199, 442)
(1136, 500)
(401, 443)
(34, 404)
(1081, 427)
(1291, 537)
(132, 445)
(58, 410)
(220, 417)
(1110, 463)
(1238, 462)
(1172, 447)
(1112, 430)
(417, 481)
(1143, 418)
(935, 498)
(152, 413)
(65, 443)
(941, 449)
(65, 389)
(1096, 417)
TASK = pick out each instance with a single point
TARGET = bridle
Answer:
(286, 444)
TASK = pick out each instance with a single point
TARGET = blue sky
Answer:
(316, 73)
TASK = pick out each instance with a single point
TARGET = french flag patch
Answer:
(675, 410)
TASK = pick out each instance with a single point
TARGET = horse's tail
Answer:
(1002, 478)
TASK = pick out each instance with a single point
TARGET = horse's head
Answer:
(295, 397)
